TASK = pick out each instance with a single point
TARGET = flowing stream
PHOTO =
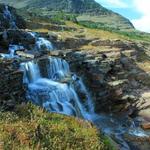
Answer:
(9, 17)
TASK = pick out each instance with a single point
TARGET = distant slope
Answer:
(87, 10)
(75, 6)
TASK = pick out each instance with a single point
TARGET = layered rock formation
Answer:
(11, 87)
(113, 77)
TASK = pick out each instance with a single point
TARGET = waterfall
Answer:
(12, 51)
(82, 88)
(7, 13)
(59, 90)
(13, 48)
(57, 68)
(8, 16)
(31, 71)
(43, 44)
(50, 92)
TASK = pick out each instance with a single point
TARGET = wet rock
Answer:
(145, 113)
(138, 142)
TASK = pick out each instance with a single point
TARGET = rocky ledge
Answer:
(11, 84)
(111, 73)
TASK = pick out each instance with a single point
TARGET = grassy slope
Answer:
(30, 127)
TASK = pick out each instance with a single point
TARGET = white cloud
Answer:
(142, 6)
(113, 3)
(138, 6)
(142, 23)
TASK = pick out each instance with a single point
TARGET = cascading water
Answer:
(8, 16)
(31, 73)
(12, 25)
(58, 69)
(6, 13)
(12, 51)
(13, 48)
(51, 93)
(43, 44)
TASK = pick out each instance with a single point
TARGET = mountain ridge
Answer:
(85, 9)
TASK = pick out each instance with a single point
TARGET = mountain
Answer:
(86, 10)
(75, 6)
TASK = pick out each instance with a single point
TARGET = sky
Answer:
(138, 11)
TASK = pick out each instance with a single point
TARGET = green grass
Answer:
(130, 35)
(30, 127)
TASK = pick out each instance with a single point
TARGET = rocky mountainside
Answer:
(86, 10)
(76, 6)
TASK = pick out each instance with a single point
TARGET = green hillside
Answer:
(87, 10)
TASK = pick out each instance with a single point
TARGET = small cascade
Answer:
(8, 16)
(82, 88)
(12, 51)
(6, 13)
(42, 44)
(55, 97)
(31, 71)
(13, 48)
(58, 69)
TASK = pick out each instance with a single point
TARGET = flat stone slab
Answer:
(23, 54)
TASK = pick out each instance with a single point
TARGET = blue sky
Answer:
(137, 11)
